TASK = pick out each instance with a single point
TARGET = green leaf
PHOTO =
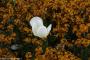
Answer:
(45, 44)
(84, 54)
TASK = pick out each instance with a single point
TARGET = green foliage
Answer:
(45, 44)
(84, 54)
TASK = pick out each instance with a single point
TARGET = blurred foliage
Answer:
(69, 38)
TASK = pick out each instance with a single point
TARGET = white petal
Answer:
(14, 47)
(38, 28)
(34, 30)
(49, 28)
(42, 32)
(36, 22)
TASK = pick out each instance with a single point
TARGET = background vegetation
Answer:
(69, 38)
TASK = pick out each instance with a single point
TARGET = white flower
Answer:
(38, 28)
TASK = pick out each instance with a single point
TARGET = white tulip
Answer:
(38, 28)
